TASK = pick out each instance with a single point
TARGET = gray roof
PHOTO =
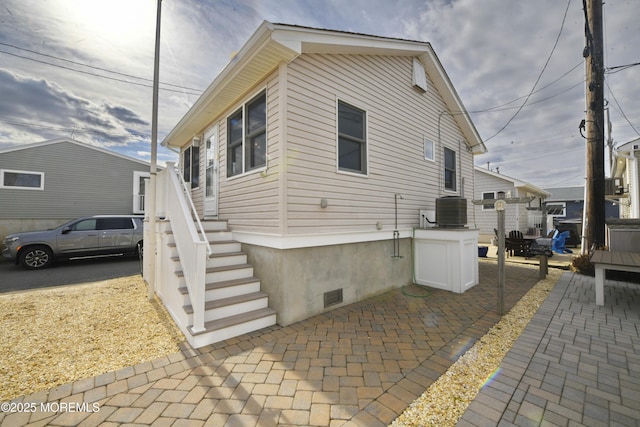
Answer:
(565, 194)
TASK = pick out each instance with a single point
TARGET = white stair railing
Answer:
(194, 213)
(192, 249)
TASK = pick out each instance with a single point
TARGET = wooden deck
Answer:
(612, 260)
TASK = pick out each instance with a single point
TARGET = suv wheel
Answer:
(36, 257)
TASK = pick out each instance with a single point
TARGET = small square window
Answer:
(428, 149)
(489, 195)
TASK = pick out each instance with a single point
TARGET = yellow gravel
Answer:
(444, 402)
(59, 335)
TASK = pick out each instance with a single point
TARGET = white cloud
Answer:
(493, 51)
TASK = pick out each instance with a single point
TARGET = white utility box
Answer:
(446, 258)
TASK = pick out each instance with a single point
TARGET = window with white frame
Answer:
(191, 164)
(558, 209)
(24, 180)
(488, 196)
(247, 137)
(429, 151)
(449, 169)
(352, 139)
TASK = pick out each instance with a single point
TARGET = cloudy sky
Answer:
(84, 68)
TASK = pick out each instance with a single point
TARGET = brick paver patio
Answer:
(358, 365)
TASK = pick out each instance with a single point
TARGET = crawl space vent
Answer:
(332, 298)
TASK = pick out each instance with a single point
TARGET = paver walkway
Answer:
(361, 364)
(576, 363)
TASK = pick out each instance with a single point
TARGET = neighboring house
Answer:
(567, 203)
(626, 173)
(45, 184)
(565, 209)
(524, 217)
(317, 149)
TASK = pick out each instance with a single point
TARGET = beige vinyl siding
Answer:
(251, 201)
(398, 118)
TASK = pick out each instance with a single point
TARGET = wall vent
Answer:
(419, 76)
(332, 298)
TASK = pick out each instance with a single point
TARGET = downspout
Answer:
(635, 191)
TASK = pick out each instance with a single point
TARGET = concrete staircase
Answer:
(234, 304)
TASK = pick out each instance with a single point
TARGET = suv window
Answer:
(84, 225)
(115, 224)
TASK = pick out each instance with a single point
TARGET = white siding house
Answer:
(315, 148)
(526, 218)
(626, 167)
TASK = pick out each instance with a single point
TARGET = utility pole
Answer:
(594, 55)
(150, 207)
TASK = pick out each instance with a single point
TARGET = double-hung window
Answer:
(352, 141)
(247, 137)
(191, 165)
(449, 169)
(24, 180)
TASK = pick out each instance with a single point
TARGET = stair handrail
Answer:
(194, 213)
(191, 248)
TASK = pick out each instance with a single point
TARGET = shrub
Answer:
(581, 264)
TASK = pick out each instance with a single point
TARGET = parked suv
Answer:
(89, 236)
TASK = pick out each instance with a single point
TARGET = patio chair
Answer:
(516, 244)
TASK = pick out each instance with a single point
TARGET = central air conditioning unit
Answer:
(451, 212)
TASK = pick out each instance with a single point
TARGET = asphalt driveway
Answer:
(15, 278)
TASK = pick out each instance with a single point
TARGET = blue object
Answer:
(482, 251)
(559, 240)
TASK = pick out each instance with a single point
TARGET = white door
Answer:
(211, 173)
(139, 184)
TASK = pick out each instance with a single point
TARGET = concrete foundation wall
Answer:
(297, 279)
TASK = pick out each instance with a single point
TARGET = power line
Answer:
(497, 107)
(95, 74)
(564, 18)
(618, 68)
(93, 66)
(620, 109)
